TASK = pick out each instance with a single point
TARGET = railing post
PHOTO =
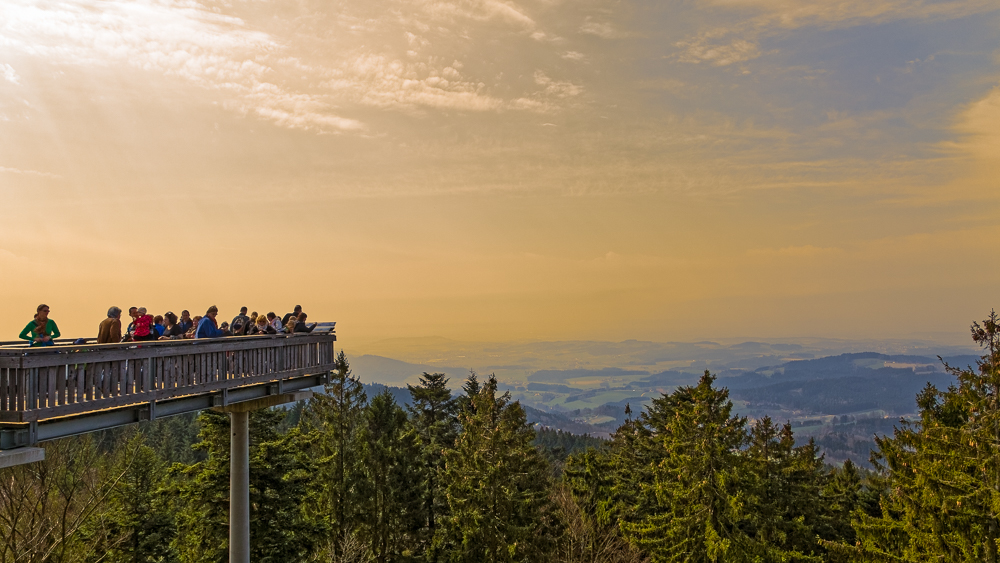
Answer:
(147, 375)
(32, 390)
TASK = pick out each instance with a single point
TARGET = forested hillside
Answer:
(465, 477)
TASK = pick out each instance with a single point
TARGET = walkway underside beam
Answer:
(15, 435)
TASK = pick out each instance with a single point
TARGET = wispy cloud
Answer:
(176, 38)
(740, 42)
(603, 29)
(478, 10)
(705, 49)
(261, 74)
(376, 80)
(9, 74)
(799, 13)
(804, 251)
(35, 173)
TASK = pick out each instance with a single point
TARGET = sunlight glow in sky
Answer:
(501, 170)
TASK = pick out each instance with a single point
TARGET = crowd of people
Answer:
(42, 331)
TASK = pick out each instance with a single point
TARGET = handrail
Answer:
(62, 343)
(44, 382)
(63, 346)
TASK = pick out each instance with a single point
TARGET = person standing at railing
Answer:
(158, 326)
(189, 333)
(42, 330)
(185, 321)
(173, 330)
(262, 327)
(110, 329)
(301, 326)
(133, 313)
(142, 329)
(294, 315)
(275, 323)
(207, 327)
(240, 322)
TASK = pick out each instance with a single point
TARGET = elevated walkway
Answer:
(64, 390)
(58, 391)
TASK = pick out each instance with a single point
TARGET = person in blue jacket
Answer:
(207, 327)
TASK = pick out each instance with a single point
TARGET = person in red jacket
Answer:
(143, 327)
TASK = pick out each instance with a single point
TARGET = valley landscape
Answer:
(840, 393)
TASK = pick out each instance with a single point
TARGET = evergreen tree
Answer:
(688, 506)
(432, 412)
(135, 523)
(780, 486)
(593, 534)
(334, 420)
(392, 514)
(279, 486)
(846, 492)
(470, 389)
(172, 438)
(941, 475)
(497, 486)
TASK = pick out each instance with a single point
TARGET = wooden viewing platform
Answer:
(63, 390)
(49, 392)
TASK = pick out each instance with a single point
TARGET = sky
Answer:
(506, 170)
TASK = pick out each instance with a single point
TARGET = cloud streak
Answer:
(35, 173)
(183, 39)
(9, 74)
(259, 73)
(723, 46)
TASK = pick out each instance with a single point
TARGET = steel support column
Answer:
(239, 488)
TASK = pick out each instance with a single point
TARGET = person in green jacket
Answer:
(42, 331)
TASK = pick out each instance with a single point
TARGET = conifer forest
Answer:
(462, 477)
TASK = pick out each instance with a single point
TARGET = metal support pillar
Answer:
(239, 467)
(239, 488)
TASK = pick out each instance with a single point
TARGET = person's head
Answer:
(243, 310)
(185, 314)
(303, 317)
(141, 311)
(133, 312)
(42, 312)
(197, 318)
(224, 325)
(114, 313)
(298, 309)
(253, 315)
(158, 320)
(212, 312)
(171, 318)
(261, 321)
(271, 316)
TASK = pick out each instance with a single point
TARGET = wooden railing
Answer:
(46, 382)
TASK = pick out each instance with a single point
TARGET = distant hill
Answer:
(890, 390)
(555, 421)
(377, 369)
(840, 399)
(842, 384)
(559, 421)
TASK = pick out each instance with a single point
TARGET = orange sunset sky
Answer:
(500, 170)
